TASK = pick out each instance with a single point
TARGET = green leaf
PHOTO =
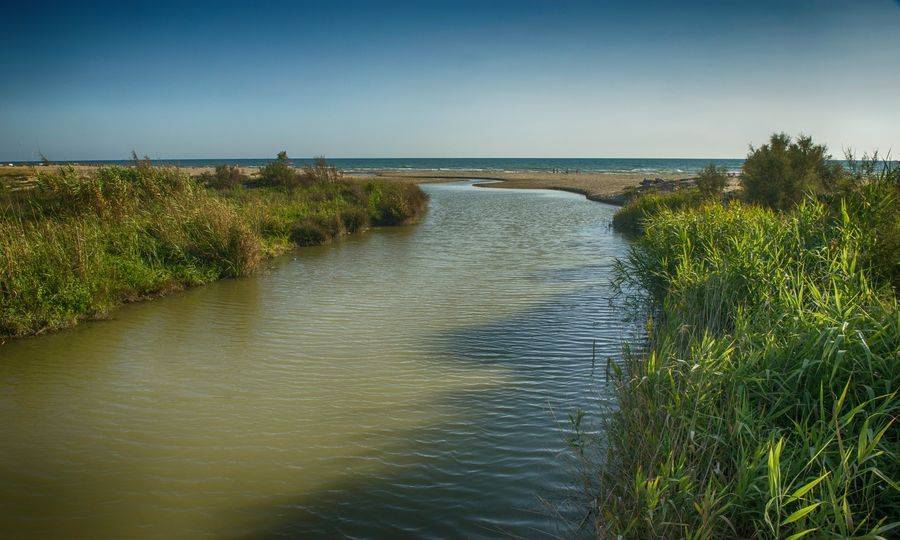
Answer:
(803, 490)
(800, 513)
(801, 534)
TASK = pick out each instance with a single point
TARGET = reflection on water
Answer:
(397, 382)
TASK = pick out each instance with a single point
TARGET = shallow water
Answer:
(411, 380)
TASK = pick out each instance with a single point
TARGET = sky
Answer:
(95, 80)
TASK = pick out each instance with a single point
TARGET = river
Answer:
(408, 381)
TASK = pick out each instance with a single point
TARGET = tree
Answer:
(279, 172)
(711, 180)
(779, 173)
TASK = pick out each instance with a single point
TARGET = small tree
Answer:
(779, 173)
(279, 173)
(711, 180)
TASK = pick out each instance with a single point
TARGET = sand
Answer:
(597, 186)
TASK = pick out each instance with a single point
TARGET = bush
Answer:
(354, 219)
(321, 171)
(316, 230)
(711, 180)
(224, 177)
(280, 173)
(395, 203)
(778, 174)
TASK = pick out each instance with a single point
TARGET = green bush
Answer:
(711, 180)
(280, 173)
(780, 173)
(354, 219)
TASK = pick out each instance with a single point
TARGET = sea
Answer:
(572, 165)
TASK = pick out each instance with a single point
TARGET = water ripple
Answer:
(397, 383)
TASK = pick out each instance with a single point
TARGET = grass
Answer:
(631, 217)
(76, 245)
(765, 401)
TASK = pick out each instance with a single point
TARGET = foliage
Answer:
(766, 400)
(75, 245)
(279, 173)
(321, 171)
(224, 177)
(779, 174)
(631, 217)
(870, 193)
(711, 180)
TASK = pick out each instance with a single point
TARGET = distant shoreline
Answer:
(607, 187)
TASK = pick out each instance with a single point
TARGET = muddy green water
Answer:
(399, 383)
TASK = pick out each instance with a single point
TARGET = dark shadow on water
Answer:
(496, 464)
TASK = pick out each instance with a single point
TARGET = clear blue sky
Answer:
(94, 80)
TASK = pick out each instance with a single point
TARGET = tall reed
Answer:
(766, 402)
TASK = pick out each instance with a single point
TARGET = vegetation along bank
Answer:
(73, 245)
(764, 403)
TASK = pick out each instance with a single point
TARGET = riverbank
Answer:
(765, 402)
(609, 187)
(75, 243)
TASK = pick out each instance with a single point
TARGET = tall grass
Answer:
(631, 217)
(766, 402)
(76, 245)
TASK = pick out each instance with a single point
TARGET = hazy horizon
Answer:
(672, 80)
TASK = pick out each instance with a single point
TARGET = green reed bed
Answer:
(630, 218)
(76, 245)
(766, 401)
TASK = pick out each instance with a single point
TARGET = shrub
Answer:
(711, 180)
(321, 171)
(354, 219)
(280, 173)
(315, 230)
(395, 203)
(224, 177)
(778, 174)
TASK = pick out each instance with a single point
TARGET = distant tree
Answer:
(279, 173)
(779, 173)
(711, 180)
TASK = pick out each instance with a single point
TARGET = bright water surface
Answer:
(402, 382)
